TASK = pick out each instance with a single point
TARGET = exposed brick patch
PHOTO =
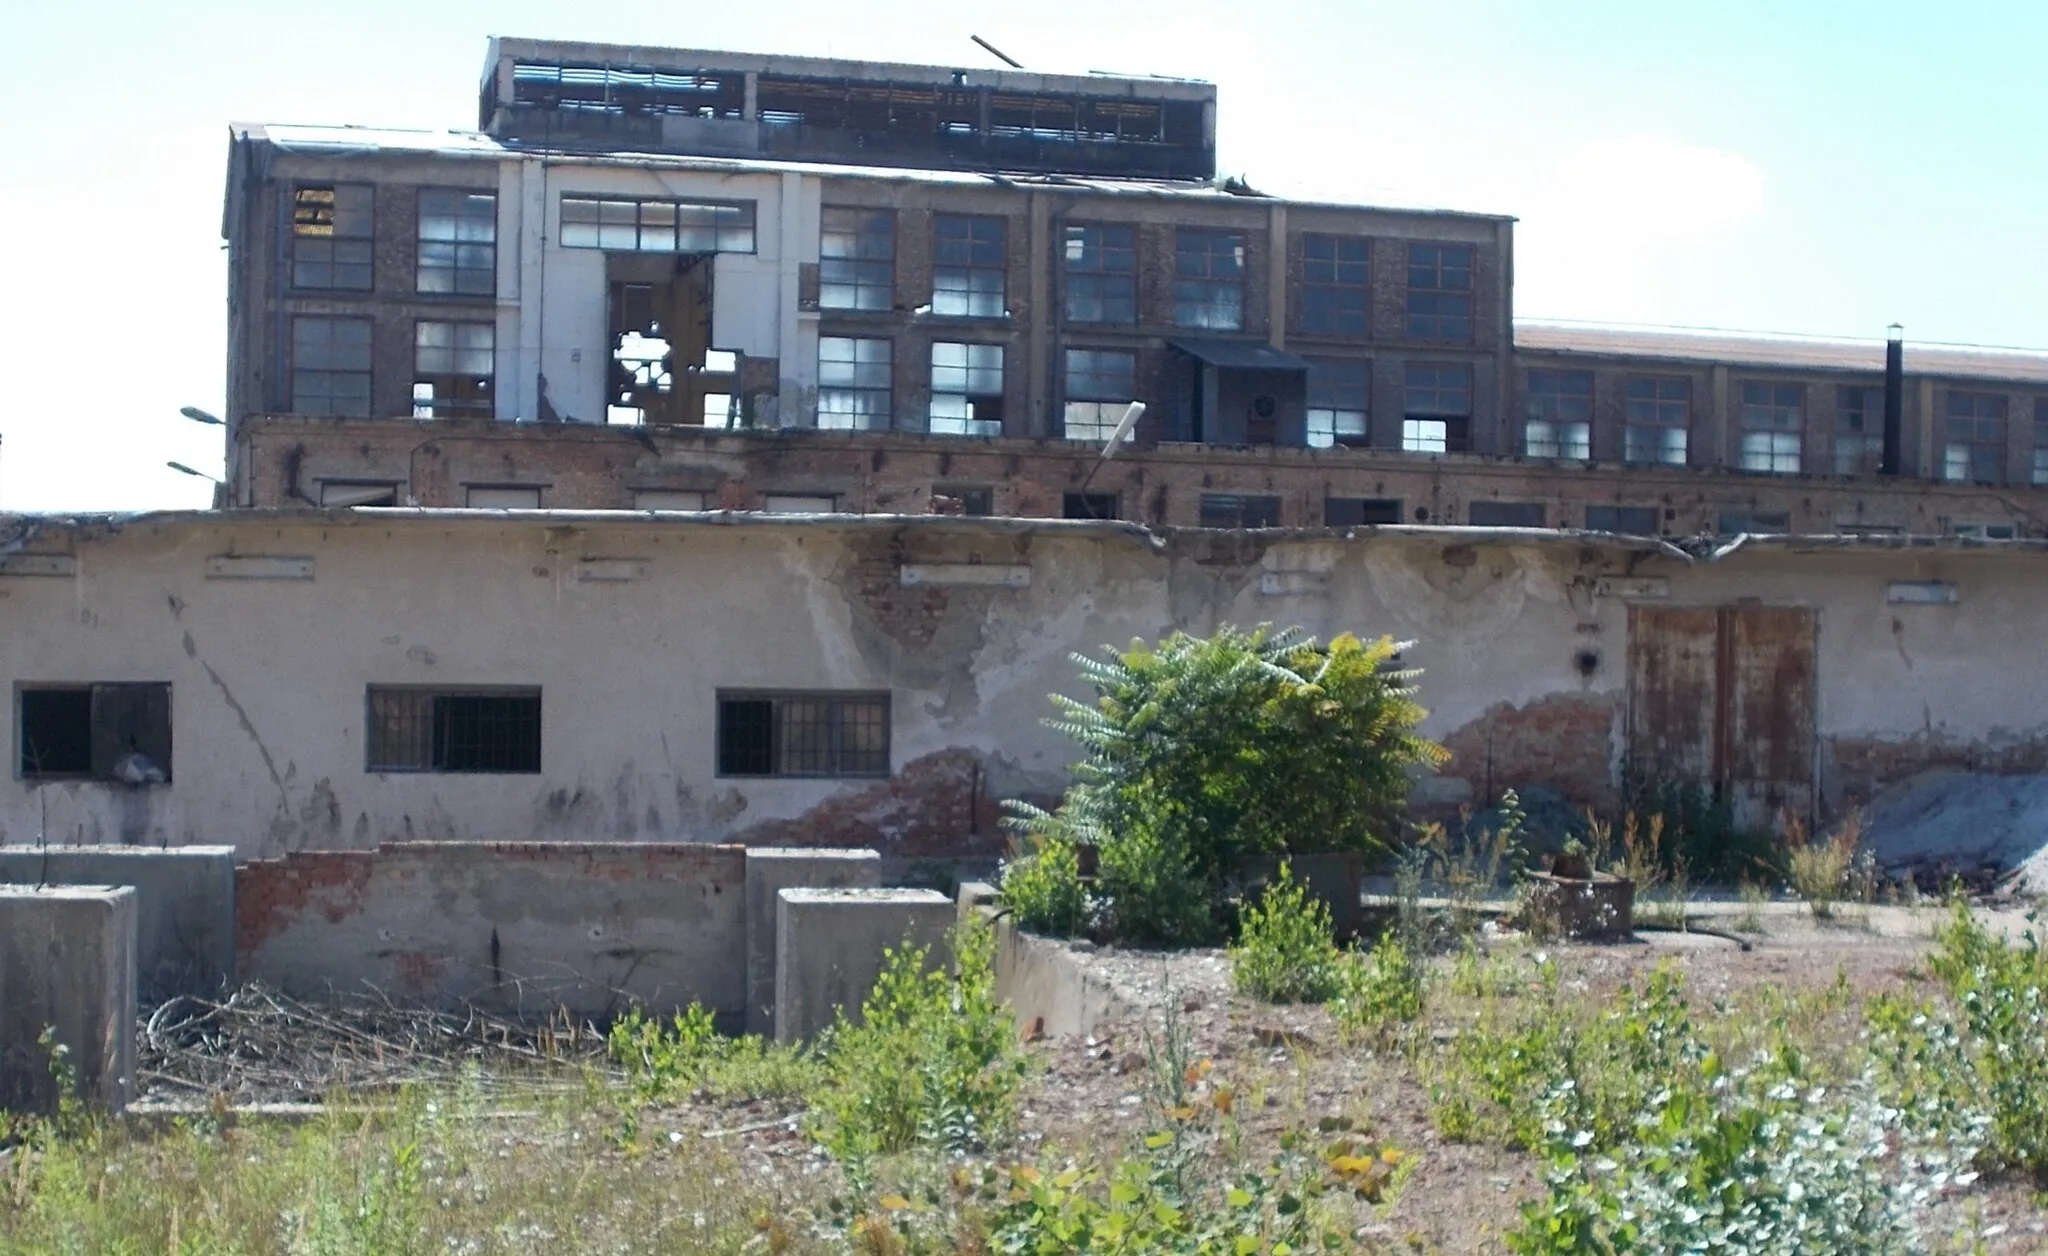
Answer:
(1863, 767)
(1560, 741)
(935, 806)
(271, 893)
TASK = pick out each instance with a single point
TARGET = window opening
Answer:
(453, 730)
(632, 226)
(1771, 415)
(1559, 419)
(854, 378)
(1237, 510)
(331, 366)
(1099, 388)
(1354, 512)
(1334, 292)
(1089, 506)
(111, 732)
(969, 267)
(1438, 410)
(857, 259)
(332, 230)
(1440, 292)
(458, 243)
(1208, 286)
(803, 734)
(1859, 430)
(967, 389)
(1656, 413)
(1975, 435)
(1101, 273)
(453, 365)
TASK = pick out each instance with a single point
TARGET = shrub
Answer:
(1379, 990)
(1819, 867)
(2001, 994)
(690, 1054)
(1285, 951)
(1043, 888)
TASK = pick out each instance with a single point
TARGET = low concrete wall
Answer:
(185, 906)
(829, 945)
(771, 870)
(67, 963)
(1046, 985)
(521, 927)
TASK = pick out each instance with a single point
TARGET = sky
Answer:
(1798, 166)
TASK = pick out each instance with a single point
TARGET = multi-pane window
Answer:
(332, 226)
(1657, 410)
(967, 389)
(2041, 440)
(1559, 418)
(1208, 284)
(1973, 432)
(414, 729)
(452, 366)
(1101, 267)
(968, 267)
(1859, 430)
(1437, 410)
(1337, 402)
(119, 732)
(1240, 510)
(1100, 386)
(857, 259)
(629, 226)
(1333, 285)
(853, 383)
(331, 366)
(1440, 291)
(803, 734)
(1771, 416)
(458, 242)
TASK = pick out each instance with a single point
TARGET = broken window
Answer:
(502, 497)
(331, 366)
(1100, 384)
(854, 376)
(857, 259)
(458, 242)
(110, 732)
(1089, 506)
(663, 369)
(416, 729)
(358, 493)
(1208, 285)
(1627, 520)
(967, 389)
(1505, 514)
(1437, 414)
(1558, 421)
(631, 226)
(332, 229)
(1440, 292)
(1974, 432)
(1859, 430)
(1237, 510)
(803, 734)
(1333, 285)
(969, 267)
(1656, 412)
(975, 500)
(1101, 264)
(1337, 394)
(1771, 421)
(1353, 512)
(452, 366)
(667, 499)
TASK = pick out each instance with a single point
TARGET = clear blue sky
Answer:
(1808, 167)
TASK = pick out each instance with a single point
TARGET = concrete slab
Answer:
(829, 944)
(67, 963)
(771, 870)
(185, 906)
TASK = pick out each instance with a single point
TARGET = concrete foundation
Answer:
(184, 912)
(67, 964)
(771, 870)
(829, 944)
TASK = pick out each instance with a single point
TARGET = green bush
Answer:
(1379, 990)
(690, 1054)
(1286, 952)
(1043, 889)
(2001, 994)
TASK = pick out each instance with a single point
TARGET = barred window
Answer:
(1974, 428)
(331, 366)
(1559, 418)
(854, 383)
(969, 267)
(1334, 289)
(1337, 402)
(418, 729)
(1100, 384)
(1101, 273)
(631, 226)
(803, 734)
(332, 230)
(1771, 415)
(453, 365)
(1208, 286)
(857, 259)
(967, 389)
(1859, 430)
(458, 242)
(1657, 411)
(1440, 292)
(1437, 414)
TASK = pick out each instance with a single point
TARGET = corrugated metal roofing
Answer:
(1793, 352)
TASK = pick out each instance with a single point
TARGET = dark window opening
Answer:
(1974, 432)
(116, 732)
(1438, 410)
(453, 367)
(1237, 510)
(975, 500)
(1859, 430)
(358, 493)
(1754, 522)
(803, 734)
(331, 366)
(1089, 506)
(1627, 520)
(1354, 512)
(1505, 515)
(462, 730)
(1337, 393)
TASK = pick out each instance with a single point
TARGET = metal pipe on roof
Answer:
(1894, 398)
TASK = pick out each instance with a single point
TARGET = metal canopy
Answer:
(1239, 354)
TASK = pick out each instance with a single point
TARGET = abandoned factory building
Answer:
(669, 279)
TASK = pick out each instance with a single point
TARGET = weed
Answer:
(1754, 899)
(1286, 952)
(689, 1054)
(1379, 991)
(1820, 867)
(2001, 994)
(1043, 887)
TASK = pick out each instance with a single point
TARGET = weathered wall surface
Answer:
(184, 905)
(630, 626)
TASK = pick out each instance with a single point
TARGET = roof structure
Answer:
(1791, 352)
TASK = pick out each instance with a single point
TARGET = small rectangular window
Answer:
(1558, 422)
(1237, 510)
(1987, 531)
(973, 500)
(1657, 412)
(1334, 291)
(967, 389)
(799, 503)
(1626, 520)
(1208, 284)
(969, 267)
(1974, 432)
(453, 365)
(1754, 522)
(803, 734)
(414, 729)
(458, 243)
(1356, 512)
(109, 732)
(503, 497)
(332, 230)
(634, 226)
(358, 493)
(1101, 272)
(1437, 414)
(331, 366)
(1089, 506)
(1440, 292)
(1771, 422)
(857, 259)
(854, 376)
(1337, 393)
(667, 499)
(1100, 386)
(1505, 515)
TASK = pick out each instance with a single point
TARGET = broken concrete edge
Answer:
(769, 871)
(1044, 980)
(67, 968)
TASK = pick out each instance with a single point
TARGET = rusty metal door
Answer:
(1672, 663)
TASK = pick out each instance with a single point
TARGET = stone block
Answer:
(67, 963)
(829, 944)
(184, 910)
(771, 870)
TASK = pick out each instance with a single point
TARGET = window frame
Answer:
(1093, 403)
(1242, 510)
(1366, 506)
(331, 374)
(1567, 437)
(456, 245)
(1658, 419)
(968, 247)
(1070, 500)
(303, 229)
(1441, 310)
(1771, 420)
(866, 276)
(1655, 514)
(1209, 267)
(860, 414)
(1326, 301)
(1086, 275)
(2040, 468)
(1454, 426)
(436, 745)
(836, 751)
(104, 701)
(1327, 421)
(1863, 443)
(968, 418)
(473, 395)
(640, 225)
(1986, 437)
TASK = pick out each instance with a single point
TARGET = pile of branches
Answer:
(256, 1045)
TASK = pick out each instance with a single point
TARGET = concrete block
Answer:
(829, 944)
(185, 906)
(771, 870)
(67, 962)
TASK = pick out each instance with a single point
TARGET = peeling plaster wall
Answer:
(1524, 663)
